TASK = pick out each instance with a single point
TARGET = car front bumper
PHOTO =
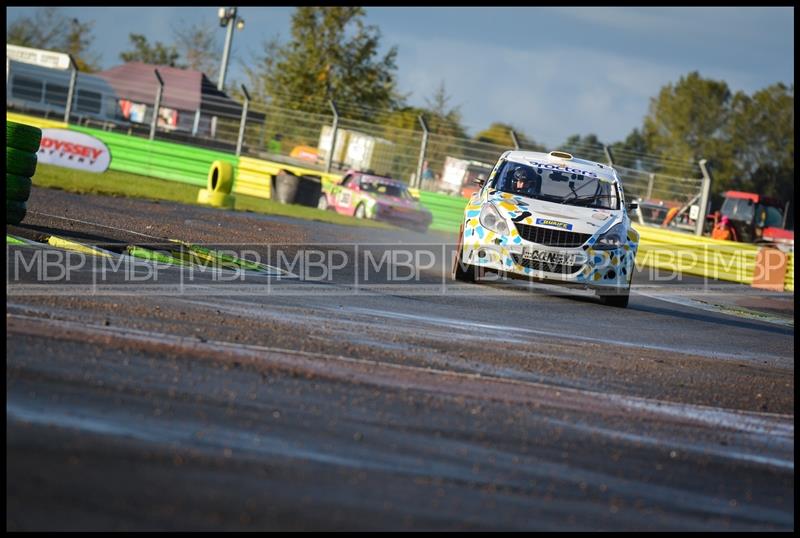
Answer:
(593, 268)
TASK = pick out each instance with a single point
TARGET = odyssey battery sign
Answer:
(71, 149)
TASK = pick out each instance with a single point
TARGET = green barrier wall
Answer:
(159, 159)
(659, 248)
(447, 210)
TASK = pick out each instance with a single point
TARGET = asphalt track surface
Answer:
(371, 401)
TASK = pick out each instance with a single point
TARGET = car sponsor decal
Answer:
(554, 223)
(522, 216)
(551, 166)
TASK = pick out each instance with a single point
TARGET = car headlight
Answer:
(490, 218)
(613, 238)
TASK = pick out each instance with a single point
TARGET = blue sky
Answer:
(551, 72)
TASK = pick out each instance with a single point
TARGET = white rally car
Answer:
(554, 218)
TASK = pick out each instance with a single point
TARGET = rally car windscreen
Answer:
(571, 188)
(386, 189)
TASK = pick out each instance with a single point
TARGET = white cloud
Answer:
(550, 95)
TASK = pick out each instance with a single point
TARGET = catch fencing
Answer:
(306, 134)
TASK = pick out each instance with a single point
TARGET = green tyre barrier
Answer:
(215, 199)
(152, 255)
(13, 240)
(15, 211)
(20, 163)
(23, 137)
(18, 188)
(220, 177)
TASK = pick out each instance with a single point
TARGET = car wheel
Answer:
(464, 272)
(361, 211)
(323, 202)
(616, 299)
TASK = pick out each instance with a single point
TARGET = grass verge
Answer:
(114, 183)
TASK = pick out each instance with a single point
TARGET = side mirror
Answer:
(479, 182)
(632, 206)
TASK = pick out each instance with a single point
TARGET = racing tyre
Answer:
(18, 188)
(15, 211)
(617, 300)
(20, 163)
(361, 211)
(23, 137)
(465, 272)
(323, 203)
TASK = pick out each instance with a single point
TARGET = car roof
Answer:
(603, 171)
(381, 179)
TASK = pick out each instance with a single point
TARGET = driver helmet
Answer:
(522, 174)
(525, 176)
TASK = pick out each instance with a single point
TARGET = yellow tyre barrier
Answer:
(67, 244)
(216, 199)
(220, 177)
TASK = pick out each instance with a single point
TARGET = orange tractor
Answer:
(755, 218)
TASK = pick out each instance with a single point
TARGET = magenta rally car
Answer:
(366, 196)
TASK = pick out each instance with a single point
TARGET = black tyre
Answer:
(20, 163)
(286, 184)
(15, 211)
(23, 137)
(18, 188)
(616, 299)
(463, 272)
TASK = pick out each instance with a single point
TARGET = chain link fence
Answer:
(193, 112)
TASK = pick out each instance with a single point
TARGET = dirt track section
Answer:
(318, 407)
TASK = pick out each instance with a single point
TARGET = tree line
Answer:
(748, 139)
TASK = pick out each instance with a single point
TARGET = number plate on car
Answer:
(548, 256)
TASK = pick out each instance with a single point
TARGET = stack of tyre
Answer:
(22, 143)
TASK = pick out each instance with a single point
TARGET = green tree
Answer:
(157, 54)
(631, 152)
(199, 48)
(50, 29)
(442, 118)
(761, 133)
(332, 54)
(585, 147)
(500, 134)
(687, 122)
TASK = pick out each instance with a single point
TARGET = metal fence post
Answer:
(514, 138)
(157, 105)
(243, 121)
(609, 156)
(422, 149)
(650, 182)
(329, 159)
(704, 193)
(73, 79)
(196, 124)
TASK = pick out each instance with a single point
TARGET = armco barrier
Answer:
(159, 159)
(254, 176)
(700, 256)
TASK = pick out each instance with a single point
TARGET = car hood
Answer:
(523, 210)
